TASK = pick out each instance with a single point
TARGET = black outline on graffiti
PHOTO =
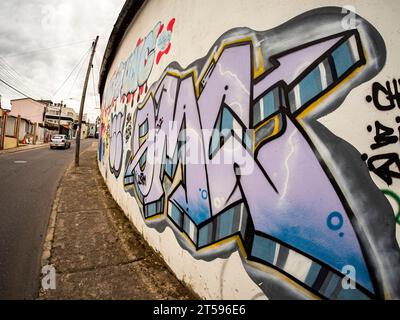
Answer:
(116, 173)
(284, 112)
(248, 238)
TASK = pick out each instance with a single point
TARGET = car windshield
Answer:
(59, 137)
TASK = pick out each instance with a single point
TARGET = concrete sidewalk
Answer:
(95, 250)
(24, 148)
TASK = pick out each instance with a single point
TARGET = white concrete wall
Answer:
(221, 272)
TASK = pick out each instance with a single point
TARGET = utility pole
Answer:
(78, 135)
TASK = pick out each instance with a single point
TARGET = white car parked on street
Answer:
(60, 141)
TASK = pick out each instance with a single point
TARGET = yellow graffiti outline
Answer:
(283, 277)
(261, 69)
(254, 264)
(175, 182)
(259, 127)
(320, 100)
(156, 217)
(143, 139)
(314, 105)
(214, 57)
(192, 72)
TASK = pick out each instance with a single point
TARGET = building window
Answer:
(10, 126)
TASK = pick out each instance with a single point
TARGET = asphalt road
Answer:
(28, 183)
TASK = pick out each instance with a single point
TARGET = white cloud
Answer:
(67, 26)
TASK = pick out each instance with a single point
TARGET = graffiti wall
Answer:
(261, 161)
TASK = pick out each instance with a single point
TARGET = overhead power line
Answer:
(97, 63)
(15, 89)
(47, 49)
(20, 92)
(21, 81)
(72, 71)
(6, 91)
(9, 78)
(77, 76)
(14, 79)
(94, 90)
(19, 85)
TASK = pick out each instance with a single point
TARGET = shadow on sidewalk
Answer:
(97, 253)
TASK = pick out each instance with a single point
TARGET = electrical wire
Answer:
(97, 63)
(16, 74)
(18, 85)
(12, 81)
(15, 80)
(9, 92)
(47, 49)
(94, 90)
(73, 70)
(76, 77)
(15, 89)
(20, 92)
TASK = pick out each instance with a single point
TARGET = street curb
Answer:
(117, 223)
(22, 149)
(154, 250)
(48, 242)
(46, 251)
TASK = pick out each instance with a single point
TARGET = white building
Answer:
(65, 119)
(58, 114)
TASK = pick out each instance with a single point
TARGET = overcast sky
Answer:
(41, 41)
